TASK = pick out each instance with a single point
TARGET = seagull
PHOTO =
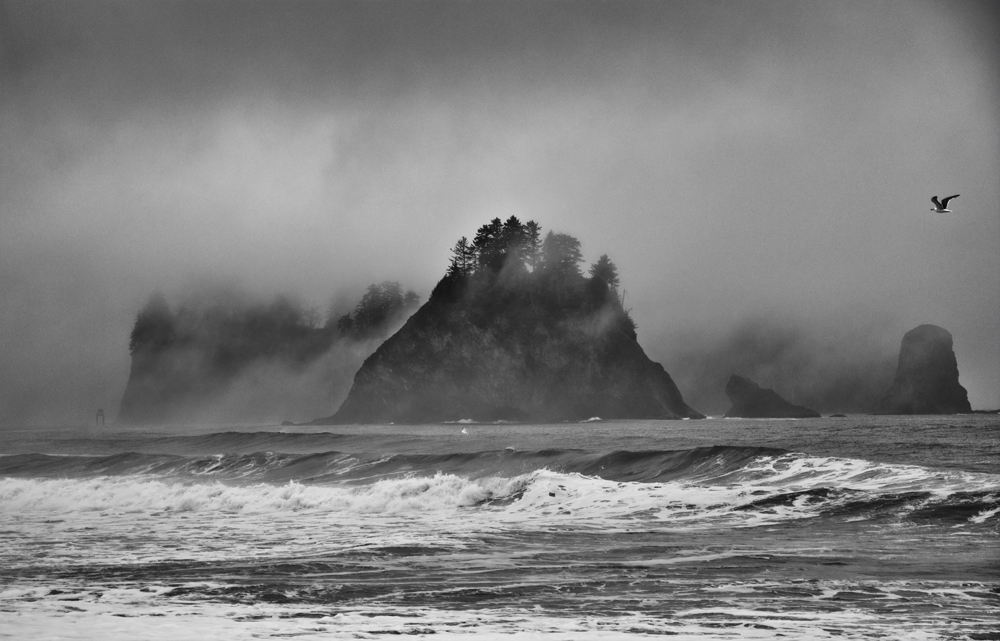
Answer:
(942, 207)
(465, 431)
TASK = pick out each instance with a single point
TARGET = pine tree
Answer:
(462, 258)
(532, 243)
(561, 254)
(606, 271)
(487, 244)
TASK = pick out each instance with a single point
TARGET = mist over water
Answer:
(219, 354)
(736, 161)
(828, 365)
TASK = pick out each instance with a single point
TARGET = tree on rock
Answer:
(463, 258)
(561, 254)
(605, 271)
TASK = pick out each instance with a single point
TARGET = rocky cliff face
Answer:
(926, 380)
(514, 348)
(751, 401)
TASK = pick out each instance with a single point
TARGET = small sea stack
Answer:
(926, 380)
(750, 400)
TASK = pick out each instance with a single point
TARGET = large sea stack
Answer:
(926, 379)
(514, 332)
(750, 400)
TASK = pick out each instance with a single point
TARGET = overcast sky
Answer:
(737, 160)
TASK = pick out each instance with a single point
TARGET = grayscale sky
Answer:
(737, 160)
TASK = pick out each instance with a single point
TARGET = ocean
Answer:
(837, 528)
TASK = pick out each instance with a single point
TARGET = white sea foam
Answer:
(140, 494)
(132, 614)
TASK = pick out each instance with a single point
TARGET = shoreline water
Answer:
(857, 528)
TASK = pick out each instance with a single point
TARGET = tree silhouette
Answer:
(532, 243)
(605, 271)
(487, 245)
(463, 256)
(561, 254)
(345, 324)
(381, 305)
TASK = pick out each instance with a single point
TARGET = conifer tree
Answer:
(606, 271)
(488, 247)
(532, 243)
(512, 240)
(462, 258)
(561, 254)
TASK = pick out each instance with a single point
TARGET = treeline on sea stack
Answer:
(511, 258)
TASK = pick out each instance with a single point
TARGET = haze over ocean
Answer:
(760, 173)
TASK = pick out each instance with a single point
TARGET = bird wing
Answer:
(944, 202)
(936, 203)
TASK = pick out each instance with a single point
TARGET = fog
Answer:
(764, 165)
(828, 366)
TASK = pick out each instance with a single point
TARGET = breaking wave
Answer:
(700, 487)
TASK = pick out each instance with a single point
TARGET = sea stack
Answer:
(514, 332)
(751, 401)
(926, 379)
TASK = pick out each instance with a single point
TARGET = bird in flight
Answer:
(941, 207)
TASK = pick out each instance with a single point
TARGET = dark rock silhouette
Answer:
(446, 364)
(514, 332)
(926, 379)
(751, 401)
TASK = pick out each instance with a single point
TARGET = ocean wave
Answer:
(334, 466)
(147, 495)
(718, 465)
(743, 497)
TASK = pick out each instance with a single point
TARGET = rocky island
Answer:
(223, 356)
(515, 331)
(750, 400)
(926, 380)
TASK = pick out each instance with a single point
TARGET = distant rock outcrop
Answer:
(515, 333)
(751, 401)
(926, 379)
(223, 356)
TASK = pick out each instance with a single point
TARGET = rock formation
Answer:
(223, 356)
(521, 335)
(449, 363)
(926, 379)
(751, 401)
